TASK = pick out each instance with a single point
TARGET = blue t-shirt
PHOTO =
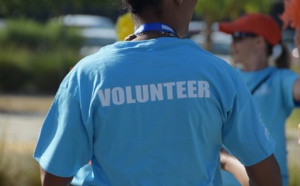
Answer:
(152, 112)
(274, 98)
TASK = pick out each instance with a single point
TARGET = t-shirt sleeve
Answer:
(244, 133)
(288, 79)
(64, 144)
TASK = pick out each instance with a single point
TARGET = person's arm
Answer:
(266, 172)
(296, 90)
(297, 84)
(234, 166)
(51, 180)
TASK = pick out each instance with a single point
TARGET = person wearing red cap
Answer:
(276, 89)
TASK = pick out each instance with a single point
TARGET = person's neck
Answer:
(151, 30)
(254, 67)
(255, 62)
(149, 18)
(150, 35)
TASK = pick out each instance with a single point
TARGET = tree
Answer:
(213, 11)
(43, 9)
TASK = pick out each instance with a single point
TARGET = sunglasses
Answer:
(239, 36)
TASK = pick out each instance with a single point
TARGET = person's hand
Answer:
(224, 158)
(235, 167)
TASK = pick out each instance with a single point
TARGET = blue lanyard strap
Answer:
(154, 27)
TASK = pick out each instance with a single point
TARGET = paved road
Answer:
(20, 127)
(293, 147)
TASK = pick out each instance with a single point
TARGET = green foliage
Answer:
(294, 170)
(11, 75)
(217, 10)
(47, 8)
(35, 57)
(35, 36)
(17, 167)
(294, 119)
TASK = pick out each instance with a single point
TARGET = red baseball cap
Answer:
(255, 23)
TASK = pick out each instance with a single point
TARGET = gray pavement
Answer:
(20, 127)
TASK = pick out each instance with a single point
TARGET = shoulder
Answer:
(284, 71)
(284, 75)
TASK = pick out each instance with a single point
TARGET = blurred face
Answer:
(242, 47)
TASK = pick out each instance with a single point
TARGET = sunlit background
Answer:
(41, 40)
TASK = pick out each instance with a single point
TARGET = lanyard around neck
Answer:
(159, 27)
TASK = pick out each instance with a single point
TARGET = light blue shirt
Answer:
(274, 99)
(152, 112)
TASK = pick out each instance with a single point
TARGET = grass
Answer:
(294, 119)
(18, 168)
(294, 175)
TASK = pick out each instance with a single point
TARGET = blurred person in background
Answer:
(124, 26)
(275, 89)
(291, 17)
(153, 110)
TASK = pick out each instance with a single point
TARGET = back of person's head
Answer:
(138, 6)
(265, 26)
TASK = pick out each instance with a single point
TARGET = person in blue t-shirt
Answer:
(275, 89)
(153, 110)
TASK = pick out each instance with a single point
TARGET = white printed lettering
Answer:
(129, 96)
(142, 94)
(154, 92)
(203, 89)
(181, 89)
(118, 96)
(191, 86)
(104, 97)
(169, 87)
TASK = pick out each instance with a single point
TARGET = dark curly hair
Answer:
(138, 6)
